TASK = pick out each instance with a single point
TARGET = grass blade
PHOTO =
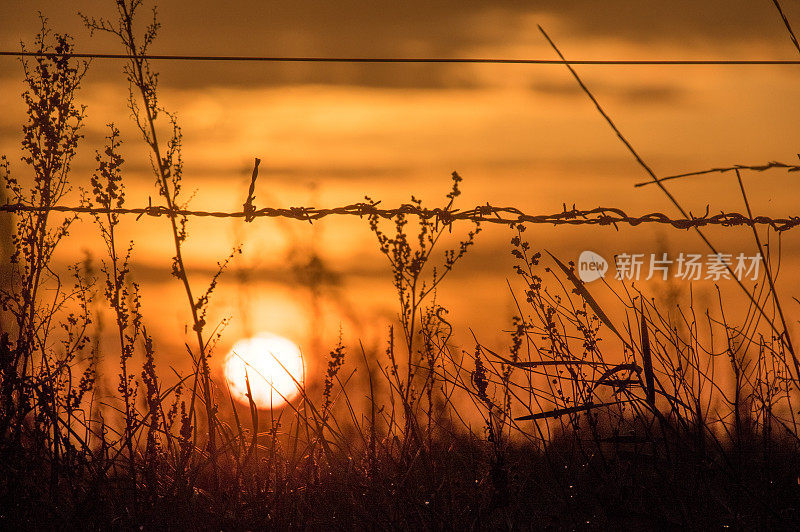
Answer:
(580, 288)
(558, 412)
(647, 362)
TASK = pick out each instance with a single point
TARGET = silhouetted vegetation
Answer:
(592, 417)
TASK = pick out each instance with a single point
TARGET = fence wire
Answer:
(443, 60)
(602, 216)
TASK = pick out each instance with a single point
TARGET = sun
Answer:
(274, 366)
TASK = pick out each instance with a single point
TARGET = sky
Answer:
(520, 135)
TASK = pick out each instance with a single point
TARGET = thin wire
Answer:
(722, 170)
(286, 59)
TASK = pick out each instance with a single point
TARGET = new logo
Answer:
(591, 266)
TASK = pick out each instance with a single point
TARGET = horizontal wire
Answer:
(288, 59)
(482, 213)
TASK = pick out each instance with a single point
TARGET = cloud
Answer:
(395, 29)
(651, 94)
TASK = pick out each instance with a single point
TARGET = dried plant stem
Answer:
(168, 167)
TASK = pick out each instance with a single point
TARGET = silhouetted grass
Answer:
(590, 417)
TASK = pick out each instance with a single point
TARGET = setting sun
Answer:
(274, 365)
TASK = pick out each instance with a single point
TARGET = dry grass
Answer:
(591, 416)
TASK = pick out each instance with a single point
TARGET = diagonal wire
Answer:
(723, 169)
(786, 23)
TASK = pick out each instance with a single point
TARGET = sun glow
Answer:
(273, 364)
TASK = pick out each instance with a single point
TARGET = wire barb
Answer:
(249, 208)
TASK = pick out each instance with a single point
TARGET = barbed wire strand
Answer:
(482, 213)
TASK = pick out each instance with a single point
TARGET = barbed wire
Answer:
(481, 213)
(506, 61)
